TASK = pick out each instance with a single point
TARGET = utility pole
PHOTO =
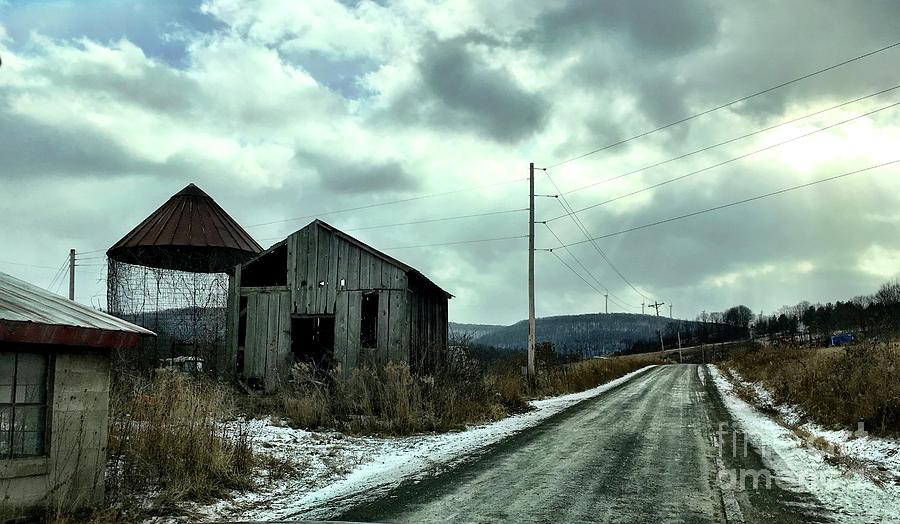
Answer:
(606, 296)
(679, 345)
(71, 274)
(642, 307)
(656, 305)
(531, 335)
(670, 311)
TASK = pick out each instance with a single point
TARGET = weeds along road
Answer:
(643, 452)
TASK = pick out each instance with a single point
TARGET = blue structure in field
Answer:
(842, 340)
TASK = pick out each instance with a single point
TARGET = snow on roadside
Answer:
(853, 496)
(333, 468)
(874, 453)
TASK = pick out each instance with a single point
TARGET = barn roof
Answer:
(371, 250)
(189, 232)
(31, 314)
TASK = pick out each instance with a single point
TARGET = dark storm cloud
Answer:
(344, 176)
(655, 29)
(32, 149)
(457, 88)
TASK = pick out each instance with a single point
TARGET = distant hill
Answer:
(592, 334)
(476, 330)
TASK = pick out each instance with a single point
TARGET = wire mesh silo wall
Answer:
(186, 311)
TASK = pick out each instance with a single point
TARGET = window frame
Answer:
(9, 435)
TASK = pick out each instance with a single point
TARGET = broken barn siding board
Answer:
(331, 285)
(398, 320)
(249, 335)
(312, 258)
(352, 267)
(291, 246)
(322, 272)
(354, 305)
(384, 327)
(375, 272)
(284, 358)
(340, 280)
(387, 276)
(272, 339)
(365, 266)
(251, 341)
(298, 292)
(341, 310)
(258, 353)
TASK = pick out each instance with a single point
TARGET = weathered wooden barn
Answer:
(324, 297)
(55, 359)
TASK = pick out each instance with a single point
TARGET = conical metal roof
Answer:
(190, 232)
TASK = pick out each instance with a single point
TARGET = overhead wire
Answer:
(725, 162)
(731, 140)
(730, 204)
(727, 104)
(424, 221)
(588, 271)
(386, 203)
(580, 224)
(456, 242)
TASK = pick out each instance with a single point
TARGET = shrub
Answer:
(836, 387)
(169, 432)
(392, 400)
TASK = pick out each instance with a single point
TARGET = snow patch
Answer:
(851, 495)
(336, 471)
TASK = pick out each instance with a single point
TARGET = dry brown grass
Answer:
(836, 387)
(167, 435)
(585, 374)
(391, 400)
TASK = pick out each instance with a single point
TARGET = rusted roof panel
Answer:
(31, 314)
(191, 219)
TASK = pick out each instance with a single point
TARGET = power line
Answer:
(377, 204)
(728, 161)
(586, 270)
(59, 273)
(732, 204)
(456, 243)
(578, 223)
(723, 106)
(424, 221)
(26, 265)
(732, 140)
(577, 274)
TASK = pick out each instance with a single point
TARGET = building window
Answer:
(23, 404)
(368, 329)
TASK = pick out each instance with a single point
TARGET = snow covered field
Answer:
(865, 488)
(316, 474)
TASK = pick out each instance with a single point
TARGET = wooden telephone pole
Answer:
(71, 274)
(531, 335)
(656, 305)
(606, 296)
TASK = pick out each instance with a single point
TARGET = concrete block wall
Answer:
(72, 474)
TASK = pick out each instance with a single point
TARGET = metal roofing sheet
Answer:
(189, 218)
(24, 302)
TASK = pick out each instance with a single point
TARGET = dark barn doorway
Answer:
(312, 340)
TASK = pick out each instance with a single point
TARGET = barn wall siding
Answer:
(412, 313)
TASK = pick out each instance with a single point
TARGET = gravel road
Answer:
(646, 451)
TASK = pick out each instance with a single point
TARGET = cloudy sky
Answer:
(287, 109)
